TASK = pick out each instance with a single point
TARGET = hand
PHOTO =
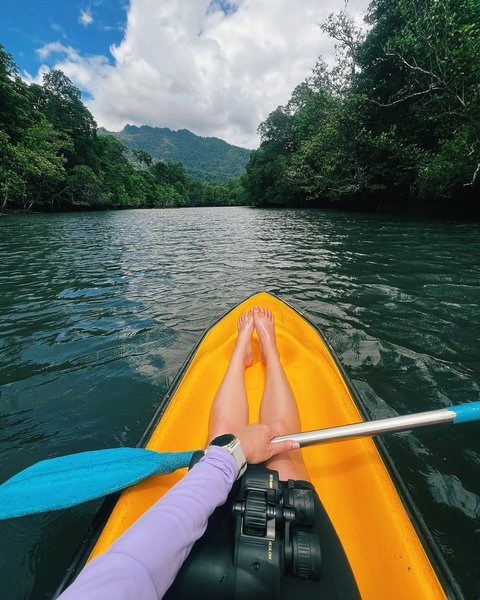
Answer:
(256, 443)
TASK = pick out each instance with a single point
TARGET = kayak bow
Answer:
(377, 531)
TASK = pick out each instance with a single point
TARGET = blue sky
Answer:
(215, 67)
(89, 27)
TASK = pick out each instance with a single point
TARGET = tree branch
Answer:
(413, 67)
(472, 183)
(440, 80)
(431, 88)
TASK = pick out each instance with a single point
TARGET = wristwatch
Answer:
(232, 445)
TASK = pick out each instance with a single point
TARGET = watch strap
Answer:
(232, 444)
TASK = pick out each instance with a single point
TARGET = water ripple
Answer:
(99, 310)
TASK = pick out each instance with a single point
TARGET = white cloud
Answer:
(187, 64)
(85, 17)
(57, 48)
(80, 70)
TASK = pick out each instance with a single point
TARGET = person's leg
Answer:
(278, 407)
(230, 406)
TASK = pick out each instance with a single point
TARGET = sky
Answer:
(216, 67)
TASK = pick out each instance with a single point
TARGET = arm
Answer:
(143, 562)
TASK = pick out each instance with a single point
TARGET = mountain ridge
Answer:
(209, 159)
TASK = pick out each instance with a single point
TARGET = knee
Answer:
(221, 426)
(282, 427)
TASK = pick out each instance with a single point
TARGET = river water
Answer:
(99, 311)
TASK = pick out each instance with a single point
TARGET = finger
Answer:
(286, 446)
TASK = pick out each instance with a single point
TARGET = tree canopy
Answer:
(394, 123)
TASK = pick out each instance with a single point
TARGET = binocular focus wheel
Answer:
(307, 558)
(255, 519)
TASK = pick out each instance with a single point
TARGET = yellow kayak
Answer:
(383, 548)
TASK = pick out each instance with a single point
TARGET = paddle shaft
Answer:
(368, 428)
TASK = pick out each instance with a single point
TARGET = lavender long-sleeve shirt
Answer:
(143, 562)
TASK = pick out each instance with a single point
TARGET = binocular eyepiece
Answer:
(274, 523)
(258, 508)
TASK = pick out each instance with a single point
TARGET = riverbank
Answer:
(466, 209)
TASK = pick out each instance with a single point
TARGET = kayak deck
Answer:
(384, 550)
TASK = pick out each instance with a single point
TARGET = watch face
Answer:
(223, 440)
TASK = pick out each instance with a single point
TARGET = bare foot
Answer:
(244, 339)
(265, 326)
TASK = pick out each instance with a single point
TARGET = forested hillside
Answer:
(394, 125)
(52, 158)
(208, 159)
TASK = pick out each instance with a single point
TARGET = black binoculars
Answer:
(274, 533)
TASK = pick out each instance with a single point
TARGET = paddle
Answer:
(70, 480)
(455, 414)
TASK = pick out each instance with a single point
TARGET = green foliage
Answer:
(14, 99)
(396, 120)
(36, 163)
(84, 187)
(451, 169)
(51, 157)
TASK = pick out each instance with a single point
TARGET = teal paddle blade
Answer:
(70, 480)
